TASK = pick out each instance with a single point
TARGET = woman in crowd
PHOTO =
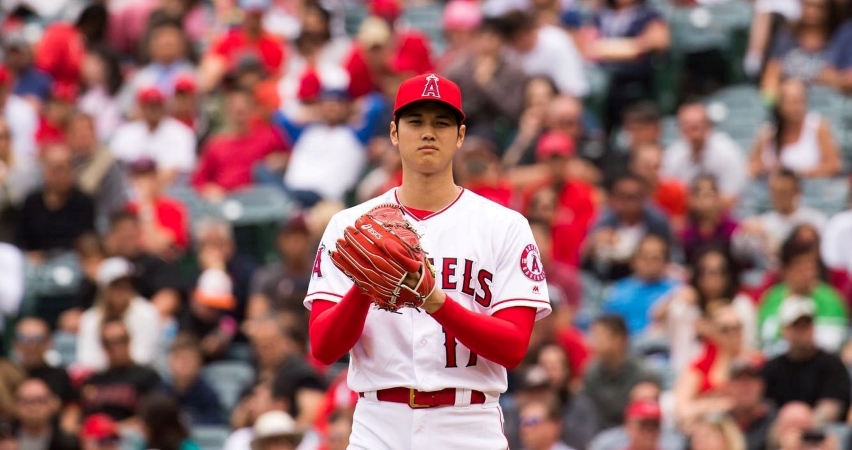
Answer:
(102, 79)
(714, 432)
(10, 378)
(162, 425)
(799, 140)
(707, 223)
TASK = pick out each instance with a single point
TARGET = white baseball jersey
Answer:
(484, 258)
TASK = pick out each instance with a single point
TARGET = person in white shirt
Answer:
(156, 136)
(836, 246)
(20, 116)
(546, 50)
(701, 150)
(117, 299)
(12, 287)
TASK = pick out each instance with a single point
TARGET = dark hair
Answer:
(614, 323)
(493, 25)
(553, 88)
(732, 276)
(317, 8)
(553, 408)
(89, 244)
(778, 119)
(611, 4)
(185, 341)
(407, 108)
(92, 22)
(655, 237)
(116, 218)
(833, 19)
(113, 321)
(703, 178)
(644, 112)
(158, 22)
(790, 175)
(622, 177)
(516, 22)
(793, 248)
(162, 416)
(112, 65)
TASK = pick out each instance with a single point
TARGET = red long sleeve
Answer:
(502, 338)
(336, 327)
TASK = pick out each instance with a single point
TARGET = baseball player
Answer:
(428, 376)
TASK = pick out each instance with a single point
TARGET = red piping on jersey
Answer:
(502, 338)
(336, 327)
(520, 300)
(417, 218)
(330, 294)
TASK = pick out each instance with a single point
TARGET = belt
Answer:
(419, 399)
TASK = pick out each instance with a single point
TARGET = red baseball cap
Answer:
(150, 96)
(99, 426)
(386, 9)
(429, 87)
(5, 75)
(64, 92)
(643, 410)
(554, 143)
(185, 84)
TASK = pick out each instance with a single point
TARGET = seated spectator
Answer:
(228, 158)
(162, 424)
(799, 140)
(10, 378)
(280, 287)
(795, 420)
(37, 411)
(460, 23)
(31, 83)
(554, 361)
(541, 426)
(801, 52)
(642, 126)
(8, 438)
(118, 301)
(153, 278)
(613, 372)
(488, 79)
(760, 237)
(702, 150)
(800, 281)
(56, 114)
(164, 221)
(545, 50)
(712, 432)
(837, 72)
(769, 17)
(197, 399)
(185, 105)
(20, 117)
(643, 421)
(339, 430)
(99, 432)
(60, 50)
(836, 253)
(670, 195)
(156, 136)
(275, 430)
(18, 178)
(477, 169)
(118, 389)
(805, 373)
(260, 400)
(53, 217)
(101, 79)
(613, 239)
(386, 175)
(97, 171)
(634, 297)
(209, 317)
(752, 413)
(541, 106)
(699, 389)
(708, 223)
(623, 37)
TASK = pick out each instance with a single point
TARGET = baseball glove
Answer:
(382, 255)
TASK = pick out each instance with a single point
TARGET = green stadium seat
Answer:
(828, 195)
(210, 437)
(65, 344)
(256, 205)
(229, 379)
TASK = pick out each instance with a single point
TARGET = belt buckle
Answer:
(411, 402)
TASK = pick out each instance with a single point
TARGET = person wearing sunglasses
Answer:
(37, 409)
(643, 421)
(99, 432)
(541, 426)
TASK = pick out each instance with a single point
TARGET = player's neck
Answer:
(427, 192)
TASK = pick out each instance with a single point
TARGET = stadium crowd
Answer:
(167, 168)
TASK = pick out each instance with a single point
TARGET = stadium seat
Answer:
(196, 206)
(229, 379)
(828, 195)
(65, 344)
(428, 18)
(754, 200)
(256, 205)
(210, 437)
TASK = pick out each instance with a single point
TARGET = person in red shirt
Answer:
(62, 48)
(228, 159)
(247, 40)
(57, 114)
(164, 221)
(184, 104)
(670, 195)
(479, 171)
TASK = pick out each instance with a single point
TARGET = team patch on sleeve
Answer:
(531, 263)
(317, 271)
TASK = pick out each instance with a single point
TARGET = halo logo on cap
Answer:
(431, 88)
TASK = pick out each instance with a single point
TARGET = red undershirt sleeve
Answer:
(336, 327)
(502, 338)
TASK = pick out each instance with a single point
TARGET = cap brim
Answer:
(222, 302)
(402, 108)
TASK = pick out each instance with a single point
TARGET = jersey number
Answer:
(450, 344)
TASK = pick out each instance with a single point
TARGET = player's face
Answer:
(427, 137)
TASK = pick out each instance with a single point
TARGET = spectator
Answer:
(17, 179)
(209, 317)
(162, 425)
(53, 217)
(37, 410)
(541, 426)
(339, 429)
(701, 150)
(61, 49)
(262, 399)
(836, 253)
(488, 80)
(632, 298)
(99, 432)
(620, 227)
(280, 287)
(186, 103)
(31, 83)
(769, 16)
(101, 78)
(614, 372)
(805, 373)
(837, 74)
(197, 399)
(712, 432)
(541, 105)
(708, 223)
(227, 159)
(795, 420)
(20, 117)
(8, 439)
(477, 169)
(153, 278)
(670, 195)
(802, 51)
(801, 282)
(799, 140)
(388, 171)
(55, 115)
(118, 301)
(275, 430)
(625, 35)
(461, 23)
(643, 421)
(545, 50)
(157, 136)
(10, 378)
(762, 235)
(117, 390)
(164, 221)
(752, 413)
(97, 171)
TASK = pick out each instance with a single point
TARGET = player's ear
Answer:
(394, 135)
(460, 140)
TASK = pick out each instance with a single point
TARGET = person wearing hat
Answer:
(20, 115)
(275, 430)
(643, 420)
(31, 83)
(186, 102)
(56, 113)
(99, 432)
(806, 373)
(209, 315)
(750, 410)
(118, 300)
(164, 220)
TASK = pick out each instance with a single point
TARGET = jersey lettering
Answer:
(467, 288)
(484, 278)
(450, 345)
(431, 88)
(449, 270)
(317, 271)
